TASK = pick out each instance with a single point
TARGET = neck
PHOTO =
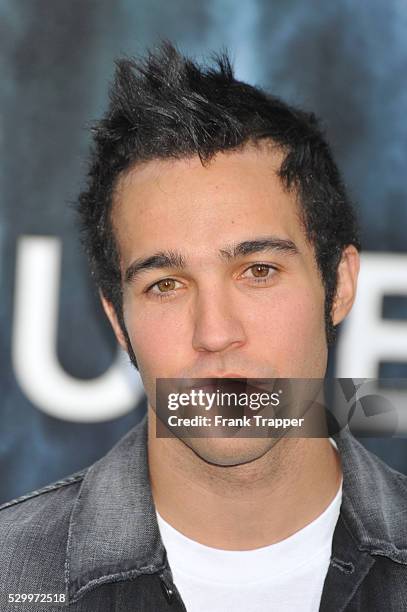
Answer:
(242, 507)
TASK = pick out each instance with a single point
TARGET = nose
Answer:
(217, 324)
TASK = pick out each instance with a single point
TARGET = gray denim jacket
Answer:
(91, 541)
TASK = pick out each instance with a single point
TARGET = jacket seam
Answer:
(372, 548)
(78, 476)
(380, 553)
(67, 565)
(128, 575)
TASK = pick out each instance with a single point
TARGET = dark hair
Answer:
(168, 106)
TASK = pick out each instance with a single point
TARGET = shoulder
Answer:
(49, 498)
(33, 537)
(364, 466)
(374, 500)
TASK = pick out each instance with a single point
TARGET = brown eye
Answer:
(260, 271)
(260, 274)
(167, 288)
(168, 284)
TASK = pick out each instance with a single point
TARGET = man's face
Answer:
(218, 309)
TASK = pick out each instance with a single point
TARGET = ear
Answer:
(347, 276)
(111, 315)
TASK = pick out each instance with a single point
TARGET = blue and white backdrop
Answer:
(66, 393)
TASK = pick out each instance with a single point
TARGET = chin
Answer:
(229, 451)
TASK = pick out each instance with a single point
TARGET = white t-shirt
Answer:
(286, 577)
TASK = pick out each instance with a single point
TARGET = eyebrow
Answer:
(175, 259)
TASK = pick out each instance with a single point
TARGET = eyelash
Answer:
(169, 294)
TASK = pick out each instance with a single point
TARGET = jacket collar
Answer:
(113, 531)
(114, 534)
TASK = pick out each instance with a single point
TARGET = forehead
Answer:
(176, 203)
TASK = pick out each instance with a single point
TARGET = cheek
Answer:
(155, 335)
(292, 330)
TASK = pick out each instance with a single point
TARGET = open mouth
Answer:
(214, 384)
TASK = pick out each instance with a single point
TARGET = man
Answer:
(224, 246)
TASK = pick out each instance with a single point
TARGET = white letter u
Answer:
(34, 355)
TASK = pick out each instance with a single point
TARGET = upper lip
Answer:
(227, 375)
(210, 378)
